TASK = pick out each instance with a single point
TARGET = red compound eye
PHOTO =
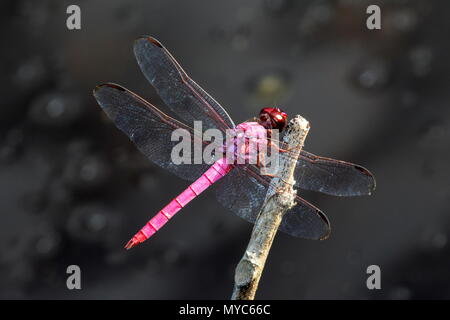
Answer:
(278, 118)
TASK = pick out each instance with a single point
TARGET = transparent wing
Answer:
(148, 127)
(329, 176)
(334, 177)
(243, 191)
(181, 94)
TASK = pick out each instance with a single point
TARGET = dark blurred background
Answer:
(73, 189)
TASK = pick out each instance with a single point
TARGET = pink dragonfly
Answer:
(242, 188)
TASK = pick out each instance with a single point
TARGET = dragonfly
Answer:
(240, 188)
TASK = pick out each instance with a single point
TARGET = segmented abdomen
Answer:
(219, 169)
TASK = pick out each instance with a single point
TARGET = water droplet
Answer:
(87, 172)
(421, 60)
(56, 109)
(30, 74)
(46, 243)
(91, 223)
(404, 20)
(372, 75)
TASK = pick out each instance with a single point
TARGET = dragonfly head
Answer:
(272, 118)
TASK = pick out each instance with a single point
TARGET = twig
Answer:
(279, 198)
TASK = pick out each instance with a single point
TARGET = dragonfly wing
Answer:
(181, 94)
(243, 191)
(334, 177)
(305, 221)
(148, 127)
(241, 194)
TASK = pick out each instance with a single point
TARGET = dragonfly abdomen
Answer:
(218, 170)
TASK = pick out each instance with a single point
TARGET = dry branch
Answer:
(279, 199)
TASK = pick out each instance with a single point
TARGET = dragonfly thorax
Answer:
(246, 143)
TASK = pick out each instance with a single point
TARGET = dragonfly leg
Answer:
(280, 190)
(272, 144)
(274, 176)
